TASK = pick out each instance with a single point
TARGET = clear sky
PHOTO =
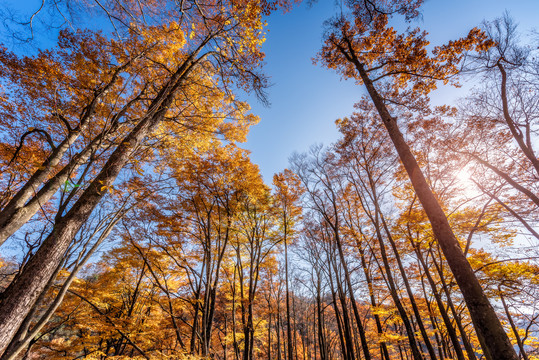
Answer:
(307, 99)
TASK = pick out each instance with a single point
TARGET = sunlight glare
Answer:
(465, 183)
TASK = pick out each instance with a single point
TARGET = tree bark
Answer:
(484, 317)
(20, 296)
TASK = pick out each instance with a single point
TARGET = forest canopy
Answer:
(135, 225)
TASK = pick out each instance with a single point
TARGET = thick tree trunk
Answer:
(484, 317)
(24, 337)
(22, 293)
(20, 296)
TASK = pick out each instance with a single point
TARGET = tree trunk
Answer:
(411, 296)
(288, 321)
(364, 344)
(513, 326)
(484, 317)
(392, 288)
(448, 325)
(384, 354)
(16, 213)
(20, 296)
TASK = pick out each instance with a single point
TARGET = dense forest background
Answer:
(134, 225)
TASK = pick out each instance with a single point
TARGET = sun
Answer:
(465, 183)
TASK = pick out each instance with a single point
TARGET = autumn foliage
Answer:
(144, 231)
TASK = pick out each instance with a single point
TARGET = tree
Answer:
(287, 194)
(370, 52)
(496, 127)
(223, 43)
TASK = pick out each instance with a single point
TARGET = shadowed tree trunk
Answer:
(19, 298)
(348, 48)
(484, 317)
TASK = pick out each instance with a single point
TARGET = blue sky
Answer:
(307, 99)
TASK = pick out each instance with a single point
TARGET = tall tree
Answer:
(287, 194)
(223, 43)
(371, 52)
